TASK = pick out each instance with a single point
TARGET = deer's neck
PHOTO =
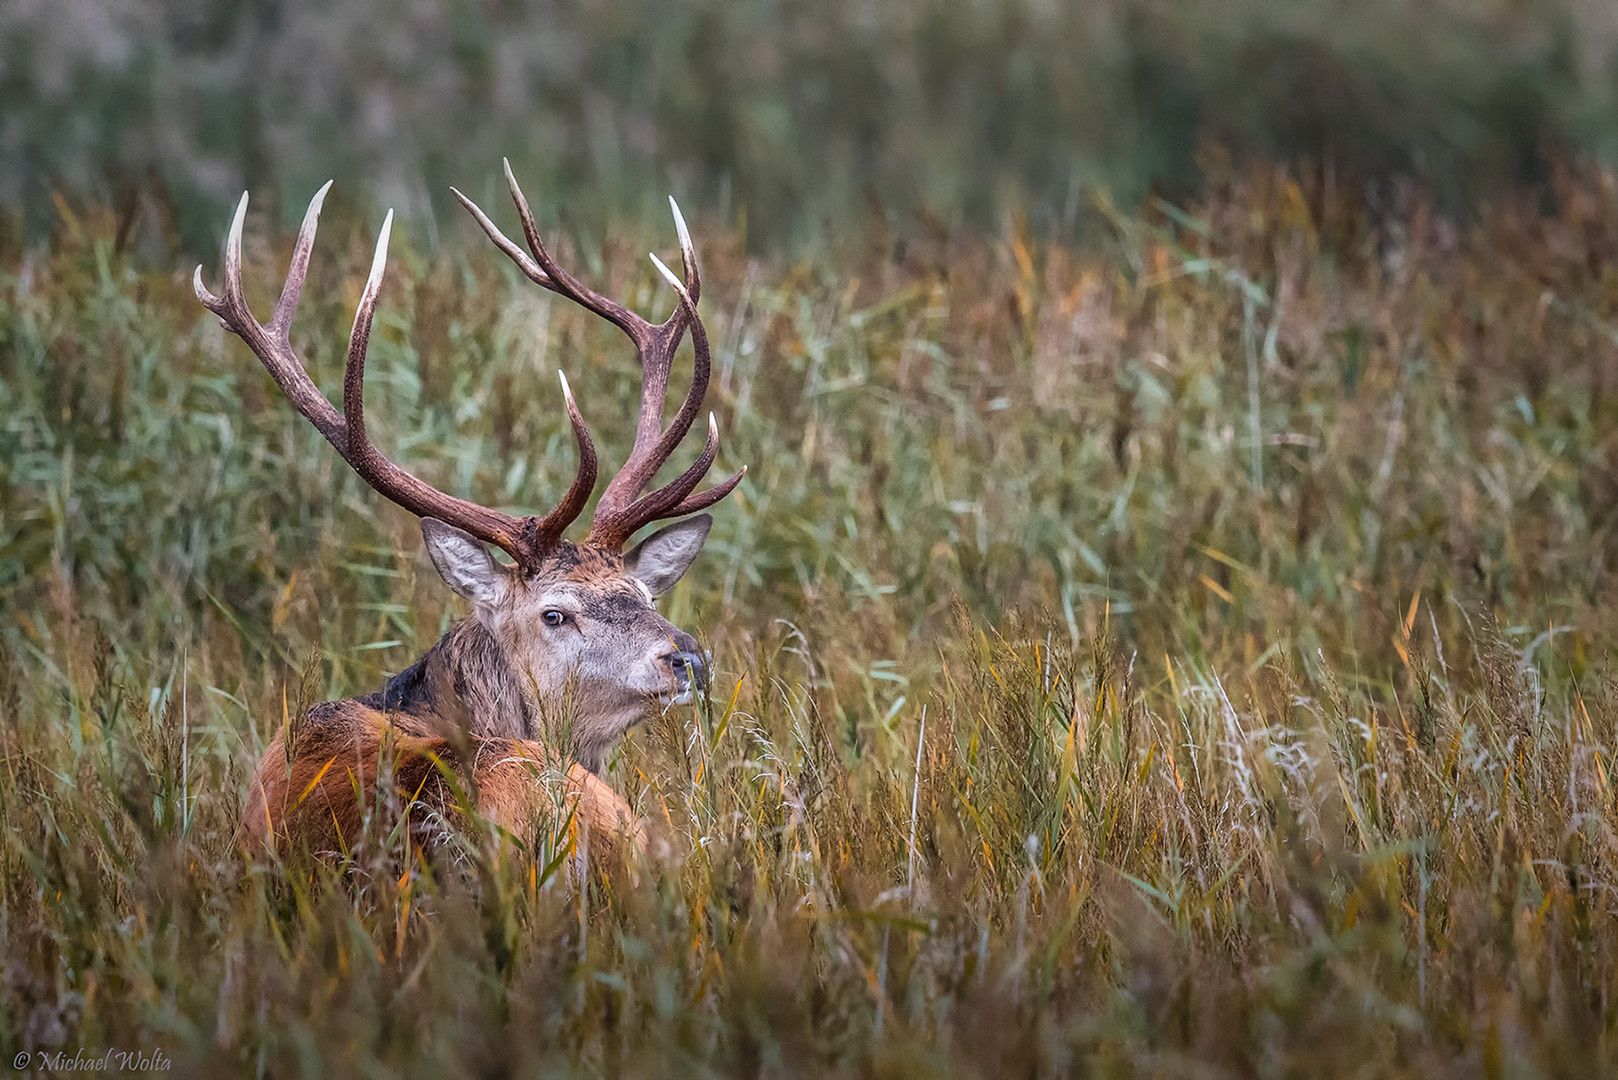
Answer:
(467, 681)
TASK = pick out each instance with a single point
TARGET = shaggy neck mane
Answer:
(463, 680)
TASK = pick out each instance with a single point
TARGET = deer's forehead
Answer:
(595, 579)
(580, 564)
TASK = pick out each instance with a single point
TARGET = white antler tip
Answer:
(667, 273)
(380, 261)
(312, 215)
(567, 391)
(679, 225)
(387, 228)
(197, 286)
(233, 242)
(713, 426)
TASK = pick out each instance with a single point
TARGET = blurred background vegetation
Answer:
(782, 114)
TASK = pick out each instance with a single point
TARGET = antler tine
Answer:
(361, 454)
(704, 499)
(688, 253)
(692, 405)
(292, 291)
(272, 345)
(572, 504)
(233, 257)
(655, 375)
(639, 330)
(658, 504)
(655, 379)
(524, 262)
(654, 392)
(229, 304)
(616, 522)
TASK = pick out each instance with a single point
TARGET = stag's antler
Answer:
(622, 509)
(525, 539)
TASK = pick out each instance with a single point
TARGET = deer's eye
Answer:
(554, 617)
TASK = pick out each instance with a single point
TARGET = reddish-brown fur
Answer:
(322, 799)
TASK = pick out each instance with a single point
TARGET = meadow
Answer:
(1185, 652)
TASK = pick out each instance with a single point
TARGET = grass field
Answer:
(1189, 655)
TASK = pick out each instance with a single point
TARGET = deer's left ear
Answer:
(662, 558)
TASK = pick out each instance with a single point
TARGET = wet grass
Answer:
(1186, 655)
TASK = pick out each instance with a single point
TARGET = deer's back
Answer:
(351, 759)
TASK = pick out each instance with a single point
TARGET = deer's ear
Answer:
(663, 557)
(464, 563)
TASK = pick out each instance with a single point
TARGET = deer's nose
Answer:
(687, 661)
(692, 666)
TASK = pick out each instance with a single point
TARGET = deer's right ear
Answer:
(662, 558)
(464, 563)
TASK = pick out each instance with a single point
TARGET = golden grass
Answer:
(1251, 567)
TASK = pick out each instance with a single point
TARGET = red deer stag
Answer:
(563, 621)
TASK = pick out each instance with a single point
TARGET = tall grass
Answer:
(1185, 654)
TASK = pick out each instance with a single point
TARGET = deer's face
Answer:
(581, 629)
